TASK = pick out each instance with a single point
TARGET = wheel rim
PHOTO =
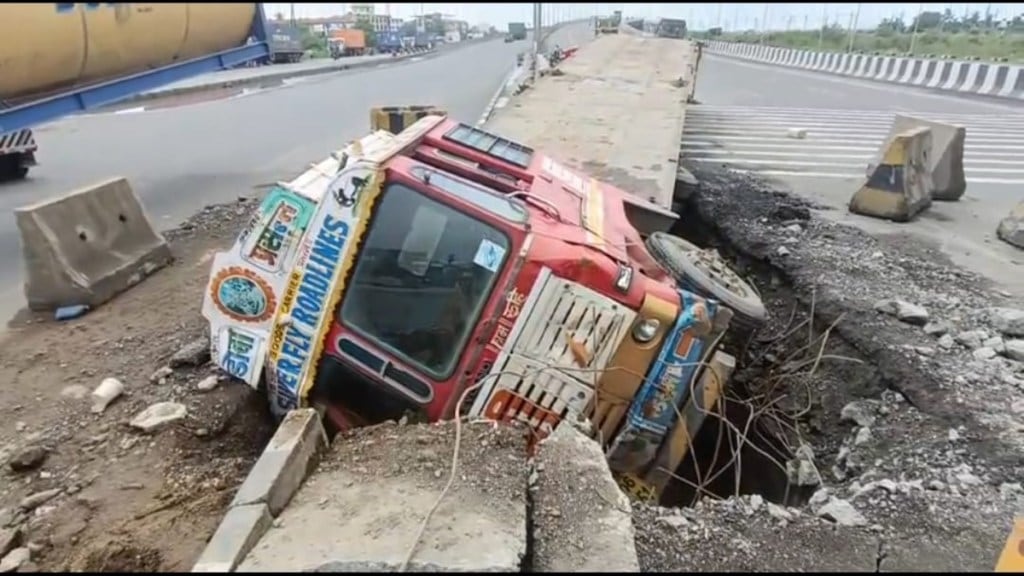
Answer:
(711, 263)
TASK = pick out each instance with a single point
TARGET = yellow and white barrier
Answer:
(899, 186)
(395, 119)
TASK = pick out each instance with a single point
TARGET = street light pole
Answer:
(764, 24)
(853, 28)
(824, 23)
(917, 22)
(536, 41)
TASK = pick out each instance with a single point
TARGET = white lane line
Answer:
(852, 176)
(878, 139)
(866, 154)
(135, 110)
(757, 161)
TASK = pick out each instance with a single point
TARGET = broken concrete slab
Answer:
(237, 533)
(87, 246)
(638, 151)
(374, 488)
(285, 462)
(581, 520)
(1011, 228)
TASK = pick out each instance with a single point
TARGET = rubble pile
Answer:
(917, 437)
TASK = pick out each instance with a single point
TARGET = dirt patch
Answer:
(116, 499)
(915, 433)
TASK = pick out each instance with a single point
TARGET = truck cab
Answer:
(444, 271)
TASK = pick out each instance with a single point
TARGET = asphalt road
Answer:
(179, 159)
(747, 108)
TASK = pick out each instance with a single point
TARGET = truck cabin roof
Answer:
(563, 202)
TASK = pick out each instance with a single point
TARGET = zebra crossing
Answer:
(838, 143)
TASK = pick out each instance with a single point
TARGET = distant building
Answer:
(359, 13)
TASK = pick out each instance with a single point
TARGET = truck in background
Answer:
(50, 71)
(285, 43)
(390, 42)
(516, 31)
(671, 28)
(347, 42)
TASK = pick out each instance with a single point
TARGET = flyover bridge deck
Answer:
(616, 112)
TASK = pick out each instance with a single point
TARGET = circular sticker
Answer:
(242, 295)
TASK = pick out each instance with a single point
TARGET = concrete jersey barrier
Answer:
(991, 79)
(87, 246)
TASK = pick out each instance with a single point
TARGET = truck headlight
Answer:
(645, 330)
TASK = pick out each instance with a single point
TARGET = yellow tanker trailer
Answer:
(63, 58)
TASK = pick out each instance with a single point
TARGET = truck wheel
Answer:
(11, 168)
(705, 273)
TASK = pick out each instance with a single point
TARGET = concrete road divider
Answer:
(946, 157)
(1011, 228)
(87, 246)
(394, 119)
(899, 187)
(990, 79)
(268, 488)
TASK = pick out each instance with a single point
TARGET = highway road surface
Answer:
(746, 110)
(180, 158)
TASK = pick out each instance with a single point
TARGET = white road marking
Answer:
(839, 143)
(135, 110)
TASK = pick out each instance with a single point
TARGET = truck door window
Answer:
(416, 292)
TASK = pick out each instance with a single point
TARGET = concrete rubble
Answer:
(581, 520)
(1011, 228)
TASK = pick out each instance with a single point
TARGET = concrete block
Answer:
(581, 520)
(87, 246)
(285, 462)
(237, 533)
(365, 504)
(899, 186)
(797, 133)
(1011, 228)
(395, 119)
(946, 160)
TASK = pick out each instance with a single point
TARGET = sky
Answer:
(698, 15)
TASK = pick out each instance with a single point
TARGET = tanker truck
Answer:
(64, 58)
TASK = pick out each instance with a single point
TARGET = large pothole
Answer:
(771, 435)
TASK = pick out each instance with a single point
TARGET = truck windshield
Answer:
(424, 273)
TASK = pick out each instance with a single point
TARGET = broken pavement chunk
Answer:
(158, 415)
(842, 512)
(904, 311)
(33, 501)
(15, 559)
(1011, 228)
(1008, 321)
(108, 390)
(194, 353)
(28, 459)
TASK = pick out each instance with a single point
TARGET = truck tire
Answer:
(11, 168)
(705, 273)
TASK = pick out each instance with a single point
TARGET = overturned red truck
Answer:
(437, 269)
